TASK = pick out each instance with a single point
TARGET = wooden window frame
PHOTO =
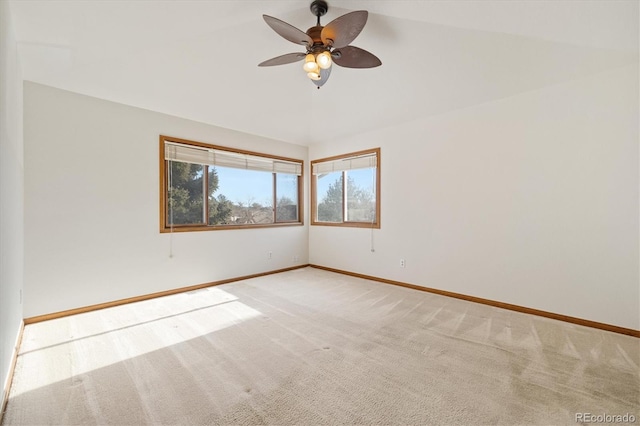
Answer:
(344, 223)
(166, 227)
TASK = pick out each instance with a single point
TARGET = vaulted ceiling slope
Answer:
(198, 59)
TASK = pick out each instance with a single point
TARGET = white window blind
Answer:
(350, 163)
(216, 157)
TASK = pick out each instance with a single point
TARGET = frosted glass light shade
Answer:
(324, 60)
(310, 63)
(313, 75)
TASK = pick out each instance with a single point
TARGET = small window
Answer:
(207, 187)
(345, 190)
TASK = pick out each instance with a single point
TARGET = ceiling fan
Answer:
(324, 45)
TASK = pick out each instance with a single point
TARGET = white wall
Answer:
(92, 209)
(530, 200)
(11, 194)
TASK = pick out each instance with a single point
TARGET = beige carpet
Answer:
(312, 347)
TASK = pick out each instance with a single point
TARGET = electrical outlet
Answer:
(402, 263)
(296, 258)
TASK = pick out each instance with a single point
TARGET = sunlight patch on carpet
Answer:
(64, 349)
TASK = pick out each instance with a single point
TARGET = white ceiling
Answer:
(198, 59)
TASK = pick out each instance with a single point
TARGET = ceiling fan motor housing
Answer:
(315, 34)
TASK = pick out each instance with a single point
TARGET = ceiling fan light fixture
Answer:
(313, 76)
(324, 60)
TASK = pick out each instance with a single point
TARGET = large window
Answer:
(207, 187)
(345, 190)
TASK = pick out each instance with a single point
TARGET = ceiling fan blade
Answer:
(288, 31)
(354, 57)
(324, 76)
(344, 29)
(283, 59)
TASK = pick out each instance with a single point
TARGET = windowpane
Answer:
(248, 193)
(220, 207)
(345, 190)
(329, 196)
(286, 197)
(361, 195)
(186, 194)
(210, 187)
